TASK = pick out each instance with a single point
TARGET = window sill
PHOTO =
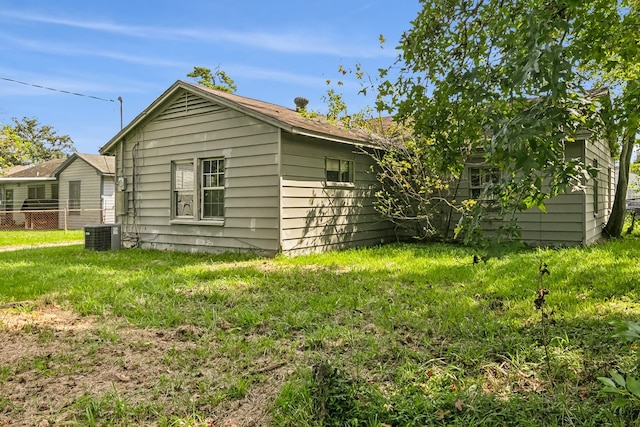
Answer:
(211, 222)
(336, 184)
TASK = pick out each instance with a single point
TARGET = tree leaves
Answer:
(218, 79)
(28, 142)
(510, 79)
(628, 387)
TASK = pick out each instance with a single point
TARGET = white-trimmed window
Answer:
(198, 189)
(183, 189)
(480, 178)
(339, 170)
(212, 189)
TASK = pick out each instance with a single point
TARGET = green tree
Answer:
(217, 79)
(412, 193)
(415, 191)
(513, 79)
(27, 142)
(12, 150)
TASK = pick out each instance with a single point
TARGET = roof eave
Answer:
(5, 179)
(140, 117)
(304, 132)
(64, 164)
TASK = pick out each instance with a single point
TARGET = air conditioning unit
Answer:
(102, 237)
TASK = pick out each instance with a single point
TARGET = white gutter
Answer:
(6, 179)
(327, 137)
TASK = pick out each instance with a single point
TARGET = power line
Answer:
(57, 90)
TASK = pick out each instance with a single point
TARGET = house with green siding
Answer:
(86, 185)
(205, 170)
(570, 218)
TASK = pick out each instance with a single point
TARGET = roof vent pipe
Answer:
(301, 103)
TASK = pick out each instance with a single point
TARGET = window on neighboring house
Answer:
(54, 191)
(479, 178)
(212, 188)
(183, 182)
(35, 192)
(8, 199)
(74, 198)
(339, 170)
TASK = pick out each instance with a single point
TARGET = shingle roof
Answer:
(12, 169)
(277, 115)
(106, 165)
(41, 170)
(288, 118)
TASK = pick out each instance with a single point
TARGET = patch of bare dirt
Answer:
(503, 380)
(52, 362)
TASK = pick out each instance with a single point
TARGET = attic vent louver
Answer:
(301, 103)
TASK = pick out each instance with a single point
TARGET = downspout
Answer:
(123, 209)
(584, 199)
(280, 183)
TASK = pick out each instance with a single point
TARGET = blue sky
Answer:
(274, 50)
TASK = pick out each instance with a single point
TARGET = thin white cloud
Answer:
(274, 75)
(67, 50)
(319, 84)
(141, 60)
(237, 70)
(135, 31)
(300, 43)
(81, 85)
(20, 82)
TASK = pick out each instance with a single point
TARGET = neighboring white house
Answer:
(30, 189)
(86, 190)
(633, 193)
(60, 193)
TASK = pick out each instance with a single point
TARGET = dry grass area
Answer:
(61, 359)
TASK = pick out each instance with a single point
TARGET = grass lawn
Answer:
(400, 335)
(20, 238)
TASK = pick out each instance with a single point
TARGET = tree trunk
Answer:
(618, 211)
